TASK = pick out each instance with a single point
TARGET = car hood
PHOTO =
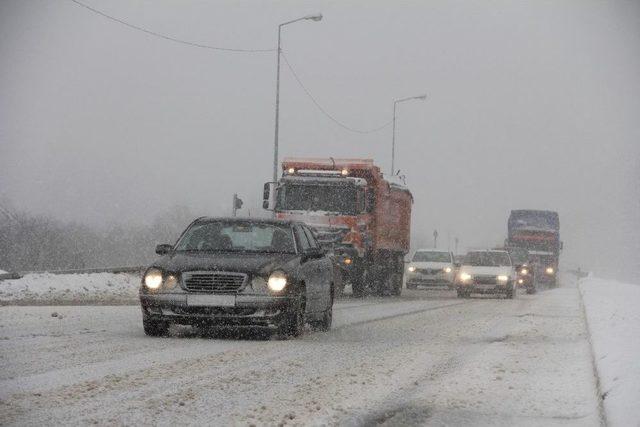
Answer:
(430, 264)
(238, 262)
(482, 270)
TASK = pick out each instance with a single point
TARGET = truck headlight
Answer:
(448, 270)
(153, 278)
(549, 270)
(277, 281)
(464, 277)
(411, 269)
(503, 278)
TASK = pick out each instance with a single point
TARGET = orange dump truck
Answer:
(357, 214)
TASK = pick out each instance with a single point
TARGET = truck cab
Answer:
(357, 215)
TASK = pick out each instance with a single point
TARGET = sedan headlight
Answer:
(464, 277)
(448, 270)
(549, 270)
(524, 271)
(411, 269)
(170, 281)
(277, 281)
(503, 278)
(153, 278)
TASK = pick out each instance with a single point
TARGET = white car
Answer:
(490, 271)
(432, 268)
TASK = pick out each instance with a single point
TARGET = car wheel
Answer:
(293, 323)
(462, 294)
(324, 325)
(155, 328)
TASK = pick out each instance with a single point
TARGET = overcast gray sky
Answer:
(531, 105)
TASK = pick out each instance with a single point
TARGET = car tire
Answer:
(411, 286)
(324, 325)
(155, 328)
(511, 293)
(294, 320)
(462, 294)
(531, 291)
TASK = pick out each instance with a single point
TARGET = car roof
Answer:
(501, 251)
(286, 222)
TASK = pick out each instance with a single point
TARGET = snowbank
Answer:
(613, 315)
(3, 272)
(88, 288)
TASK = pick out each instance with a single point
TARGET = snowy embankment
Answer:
(87, 288)
(613, 315)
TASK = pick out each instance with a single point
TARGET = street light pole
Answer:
(393, 136)
(316, 17)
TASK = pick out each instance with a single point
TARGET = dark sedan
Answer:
(240, 272)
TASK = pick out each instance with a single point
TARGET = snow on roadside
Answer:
(613, 314)
(86, 288)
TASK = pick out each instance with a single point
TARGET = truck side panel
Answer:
(392, 219)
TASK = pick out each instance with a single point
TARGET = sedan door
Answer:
(308, 271)
(323, 270)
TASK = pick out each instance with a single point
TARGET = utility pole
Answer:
(316, 17)
(435, 238)
(393, 135)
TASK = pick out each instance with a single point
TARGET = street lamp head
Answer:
(422, 97)
(316, 17)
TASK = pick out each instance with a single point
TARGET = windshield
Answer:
(237, 237)
(430, 256)
(313, 197)
(540, 220)
(519, 255)
(487, 259)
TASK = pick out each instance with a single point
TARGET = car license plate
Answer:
(211, 300)
(485, 287)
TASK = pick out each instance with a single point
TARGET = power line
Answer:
(325, 112)
(162, 36)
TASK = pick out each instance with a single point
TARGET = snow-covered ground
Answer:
(613, 315)
(424, 358)
(91, 288)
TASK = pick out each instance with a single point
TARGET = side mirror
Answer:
(163, 249)
(267, 194)
(312, 253)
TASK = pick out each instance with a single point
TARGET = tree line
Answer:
(35, 242)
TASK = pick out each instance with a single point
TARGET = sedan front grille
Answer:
(485, 280)
(215, 282)
(428, 270)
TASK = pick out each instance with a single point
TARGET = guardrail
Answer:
(114, 270)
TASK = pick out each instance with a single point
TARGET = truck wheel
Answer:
(357, 285)
(155, 328)
(293, 323)
(396, 284)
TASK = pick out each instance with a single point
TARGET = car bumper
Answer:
(248, 310)
(440, 282)
(485, 289)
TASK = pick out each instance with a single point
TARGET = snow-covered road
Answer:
(424, 358)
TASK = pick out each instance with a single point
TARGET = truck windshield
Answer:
(309, 197)
(487, 259)
(429, 256)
